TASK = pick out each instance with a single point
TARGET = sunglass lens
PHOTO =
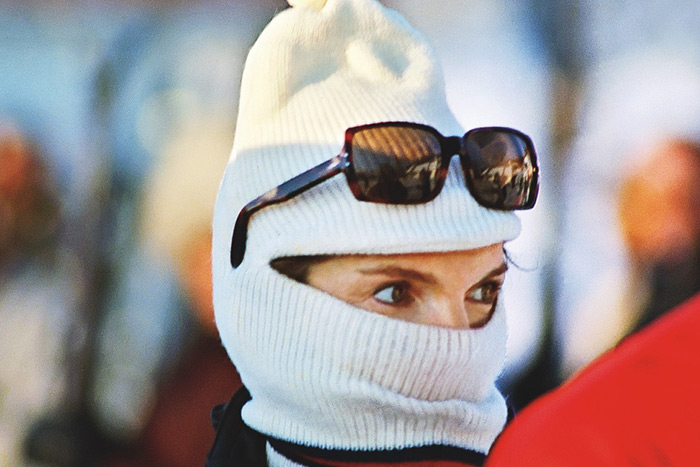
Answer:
(501, 168)
(395, 164)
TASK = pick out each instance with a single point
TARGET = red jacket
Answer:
(639, 405)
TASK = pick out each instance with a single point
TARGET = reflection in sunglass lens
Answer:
(500, 167)
(396, 165)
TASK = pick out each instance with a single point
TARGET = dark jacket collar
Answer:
(235, 444)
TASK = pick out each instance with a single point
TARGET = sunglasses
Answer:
(407, 163)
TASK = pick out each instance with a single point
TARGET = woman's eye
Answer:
(392, 294)
(486, 293)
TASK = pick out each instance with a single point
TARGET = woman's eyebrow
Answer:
(423, 277)
(401, 272)
(497, 271)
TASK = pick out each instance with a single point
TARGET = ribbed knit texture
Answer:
(321, 372)
(327, 374)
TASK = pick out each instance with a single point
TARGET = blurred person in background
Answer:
(168, 94)
(29, 206)
(175, 228)
(36, 290)
(630, 226)
(659, 212)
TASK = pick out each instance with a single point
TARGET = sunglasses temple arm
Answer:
(284, 192)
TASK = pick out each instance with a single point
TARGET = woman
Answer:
(361, 310)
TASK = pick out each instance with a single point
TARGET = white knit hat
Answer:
(311, 75)
(317, 69)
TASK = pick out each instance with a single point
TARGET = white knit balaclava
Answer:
(321, 372)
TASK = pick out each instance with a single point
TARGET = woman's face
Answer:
(455, 289)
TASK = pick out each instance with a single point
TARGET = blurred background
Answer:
(116, 121)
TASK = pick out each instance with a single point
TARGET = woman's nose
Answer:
(448, 312)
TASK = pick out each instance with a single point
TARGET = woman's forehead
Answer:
(481, 259)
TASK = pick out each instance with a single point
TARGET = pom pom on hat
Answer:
(316, 4)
